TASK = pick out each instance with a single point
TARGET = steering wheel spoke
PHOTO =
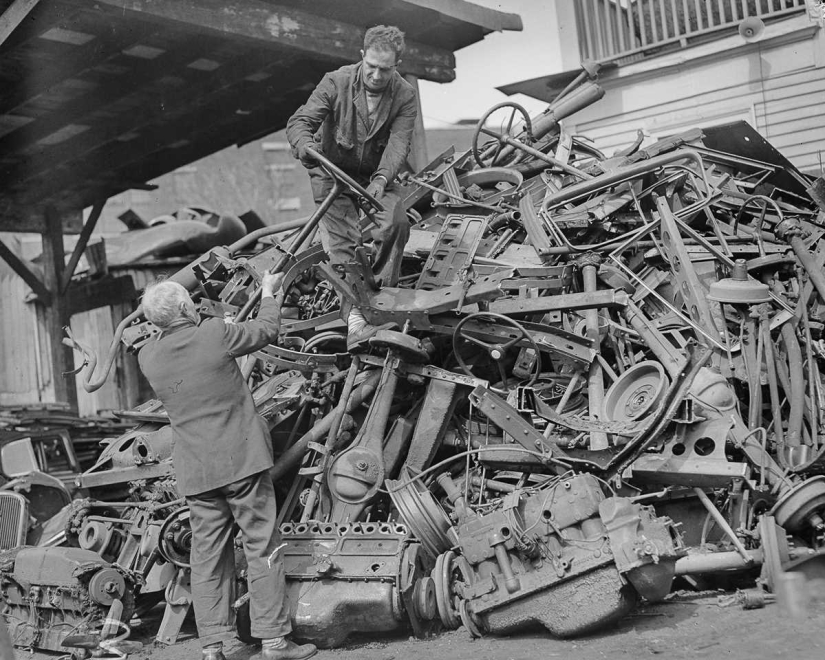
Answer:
(345, 179)
(482, 152)
(496, 349)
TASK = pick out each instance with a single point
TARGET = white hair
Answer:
(166, 301)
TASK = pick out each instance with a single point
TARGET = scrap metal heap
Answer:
(605, 375)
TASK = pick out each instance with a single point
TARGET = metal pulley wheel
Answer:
(175, 543)
(424, 599)
(106, 585)
(448, 602)
(422, 514)
(636, 393)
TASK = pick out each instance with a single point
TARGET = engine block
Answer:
(49, 593)
(561, 555)
(344, 579)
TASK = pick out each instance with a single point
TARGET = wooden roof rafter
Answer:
(99, 95)
(283, 27)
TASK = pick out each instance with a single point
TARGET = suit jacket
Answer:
(336, 118)
(219, 436)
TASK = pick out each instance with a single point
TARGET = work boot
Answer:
(289, 651)
(357, 338)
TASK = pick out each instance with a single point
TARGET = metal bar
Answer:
(720, 520)
(713, 562)
(595, 379)
(13, 16)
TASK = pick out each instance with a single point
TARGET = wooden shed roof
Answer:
(100, 96)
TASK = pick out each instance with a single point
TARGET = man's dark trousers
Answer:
(250, 503)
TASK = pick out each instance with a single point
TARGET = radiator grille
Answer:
(14, 514)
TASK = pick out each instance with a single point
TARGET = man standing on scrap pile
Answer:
(222, 455)
(361, 118)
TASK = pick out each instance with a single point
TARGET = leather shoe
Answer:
(356, 339)
(289, 651)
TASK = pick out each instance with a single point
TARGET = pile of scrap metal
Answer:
(604, 379)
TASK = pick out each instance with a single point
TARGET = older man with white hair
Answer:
(222, 455)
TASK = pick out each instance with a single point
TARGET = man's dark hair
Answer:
(387, 38)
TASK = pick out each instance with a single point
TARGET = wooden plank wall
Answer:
(25, 365)
(778, 88)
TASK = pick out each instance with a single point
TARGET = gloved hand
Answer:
(306, 160)
(376, 187)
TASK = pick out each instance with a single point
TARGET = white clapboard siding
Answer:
(778, 87)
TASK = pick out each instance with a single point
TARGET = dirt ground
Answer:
(687, 626)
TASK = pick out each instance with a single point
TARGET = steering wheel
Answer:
(339, 175)
(497, 146)
(497, 350)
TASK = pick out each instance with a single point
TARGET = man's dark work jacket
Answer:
(219, 437)
(336, 118)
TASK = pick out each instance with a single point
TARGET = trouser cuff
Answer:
(269, 633)
(216, 634)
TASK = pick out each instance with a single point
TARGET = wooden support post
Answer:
(82, 242)
(57, 314)
(418, 150)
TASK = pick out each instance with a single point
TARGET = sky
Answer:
(499, 59)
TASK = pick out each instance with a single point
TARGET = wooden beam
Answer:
(104, 292)
(24, 272)
(469, 12)
(57, 314)
(21, 216)
(13, 16)
(82, 241)
(281, 26)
